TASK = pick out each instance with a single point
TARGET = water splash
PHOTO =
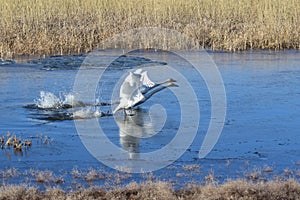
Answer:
(87, 113)
(48, 100)
(65, 107)
(69, 100)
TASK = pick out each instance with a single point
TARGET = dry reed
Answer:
(239, 189)
(75, 26)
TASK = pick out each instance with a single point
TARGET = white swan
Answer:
(138, 88)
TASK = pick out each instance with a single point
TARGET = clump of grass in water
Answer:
(9, 173)
(46, 177)
(10, 141)
(74, 26)
(193, 167)
(93, 175)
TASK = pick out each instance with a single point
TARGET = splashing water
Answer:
(66, 107)
(69, 100)
(48, 100)
(87, 113)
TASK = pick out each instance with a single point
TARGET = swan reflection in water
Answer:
(143, 124)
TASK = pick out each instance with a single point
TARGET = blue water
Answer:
(261, 126)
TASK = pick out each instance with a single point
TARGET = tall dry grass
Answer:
(76, 26)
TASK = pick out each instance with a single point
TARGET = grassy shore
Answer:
(85, 185)
(76, 26)
(239, 189)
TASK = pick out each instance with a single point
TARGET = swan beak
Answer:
(172, 85)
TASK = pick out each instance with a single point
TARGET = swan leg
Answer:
(125, 114)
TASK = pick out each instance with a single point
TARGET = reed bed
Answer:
(50, 27)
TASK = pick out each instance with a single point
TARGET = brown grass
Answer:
(253, 186)
(239, 189)
(74, 26)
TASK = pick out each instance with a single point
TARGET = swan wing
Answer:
(146, 81)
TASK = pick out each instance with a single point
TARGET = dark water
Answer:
(261, 126)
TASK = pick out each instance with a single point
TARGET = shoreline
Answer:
(27, 59)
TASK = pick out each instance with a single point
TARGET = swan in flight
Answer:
(138, 88)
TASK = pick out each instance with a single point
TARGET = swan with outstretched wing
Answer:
(138, 88)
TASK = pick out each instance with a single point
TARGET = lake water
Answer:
(261, 127)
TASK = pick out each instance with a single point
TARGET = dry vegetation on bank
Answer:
(239, 189)
(99, 184)
(76, 26)
(252, 186)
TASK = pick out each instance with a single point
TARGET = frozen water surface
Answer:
(261, 127)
